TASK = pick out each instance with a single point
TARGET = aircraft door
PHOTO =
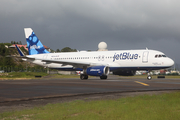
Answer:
(45, 56)
(101, 58)
(145, 56)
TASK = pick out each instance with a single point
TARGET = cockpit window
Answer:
(159, 56)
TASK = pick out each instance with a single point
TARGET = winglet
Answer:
(19, 50)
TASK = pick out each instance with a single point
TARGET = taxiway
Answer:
(17, 90)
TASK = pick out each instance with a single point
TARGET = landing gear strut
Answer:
(83, 76)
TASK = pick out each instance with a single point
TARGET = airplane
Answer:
(96, 63)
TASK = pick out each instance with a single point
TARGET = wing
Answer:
(78, 64)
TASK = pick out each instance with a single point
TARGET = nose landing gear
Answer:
(149, 76)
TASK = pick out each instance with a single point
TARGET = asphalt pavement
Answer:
(14, 90)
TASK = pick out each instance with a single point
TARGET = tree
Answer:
(8, 61)
(68, 49)
(58, 50)
(52, 51)
(2, 49)
(24, 50)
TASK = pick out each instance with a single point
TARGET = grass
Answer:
(22, 74)
(136, 76)
(153, 76)
(145, 107)
(63, 76)
(67, 76)
(31, 75)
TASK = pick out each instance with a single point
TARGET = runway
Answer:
(15, 90)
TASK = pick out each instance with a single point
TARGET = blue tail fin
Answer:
(33, 43)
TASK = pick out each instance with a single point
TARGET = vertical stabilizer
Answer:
(33, 43)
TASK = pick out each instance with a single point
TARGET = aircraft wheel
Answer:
(103, 77)
(86, 77)
(82, 76)
(149, 77)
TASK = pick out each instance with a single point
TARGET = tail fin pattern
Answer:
(33, 43)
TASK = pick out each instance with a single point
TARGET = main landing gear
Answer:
(103, 77)
(85, 77)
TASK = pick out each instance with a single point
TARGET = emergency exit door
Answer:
(145, 57)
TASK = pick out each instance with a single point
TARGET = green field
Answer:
(14, 75)
(145, 107)
(31, 75)
(153, 76)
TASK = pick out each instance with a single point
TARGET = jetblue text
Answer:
(125, 56)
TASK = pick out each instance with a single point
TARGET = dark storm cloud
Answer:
(80, 24)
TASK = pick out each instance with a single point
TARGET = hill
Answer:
(11, 61)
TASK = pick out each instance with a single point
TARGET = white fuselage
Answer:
(120, 59)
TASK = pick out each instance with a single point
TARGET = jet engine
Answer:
(97, 71)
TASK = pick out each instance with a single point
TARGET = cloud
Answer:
(80, 24)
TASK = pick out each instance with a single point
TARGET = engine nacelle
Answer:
(125, 72)
(97, 71)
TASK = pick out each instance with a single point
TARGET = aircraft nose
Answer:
(170, 62)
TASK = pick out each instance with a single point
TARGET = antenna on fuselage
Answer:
(146, 48)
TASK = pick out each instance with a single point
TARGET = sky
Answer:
(83, 24)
